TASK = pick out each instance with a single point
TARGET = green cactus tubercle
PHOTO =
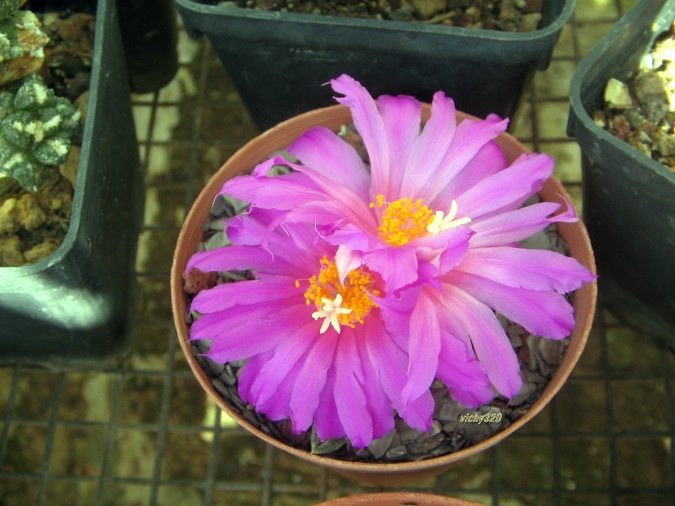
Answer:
(36, 131)
(8, 8)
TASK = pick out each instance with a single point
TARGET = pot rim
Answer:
(399, 499)
(280, 136)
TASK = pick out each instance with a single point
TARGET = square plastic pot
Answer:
(278, 61)
(75, 308)
(149, 35)
(629, 198)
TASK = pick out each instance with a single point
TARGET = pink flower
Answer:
(437, 215)
(316, 344)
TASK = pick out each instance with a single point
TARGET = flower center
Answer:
(341, 303)
(404, 220)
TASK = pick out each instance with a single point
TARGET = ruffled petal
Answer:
(464, 376)
(283, 192)
(395, 313)
(347, 260)
(507, 189)
(276, 407)
(512, 226)
(333, 158)
(354, 238)
(470, 137)
(489, 160)
(397, 266)
(213, 325)
(475, 323)
(243, 292)
(250, 372)
(257, 335)
(326, 419)
(424, 347)
(349, 395)
(390, 361)
(276, 368)
(430, 148)
(369, 124)
(445, 249)
(311, 380)
(418, 413)
(402, 117)
(526, 268)
(378, 403)
(544, 313)
(235, 257)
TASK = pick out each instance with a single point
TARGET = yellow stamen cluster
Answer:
(356, 293)
(403, 220)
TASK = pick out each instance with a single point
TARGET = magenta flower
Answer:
(317, 347)
(437, 215)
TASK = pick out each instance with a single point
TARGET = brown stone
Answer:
(426, 9)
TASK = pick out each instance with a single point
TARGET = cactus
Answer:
(36, 130)
(8, 8)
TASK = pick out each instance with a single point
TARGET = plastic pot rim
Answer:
(70, 239)
(382, 25)
(583, 120)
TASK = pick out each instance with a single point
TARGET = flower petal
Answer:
(544, 313)
(397, 266)
(349, 396)
(526, 268)
(402, 117)
(508, 188)
(430, 148)
(283, 192)
(276, 406)
(475, 323)
(286, 355)
(212, 325)
(464, 376)
(311, 380)
(489, 160)
(424, 347)
(390, 361)
(378, 403)
(326, 419)
(257, 335)
(418, 413)
(243, 292)
(512, 226)
(369, 124)
(237, 258)
(470, 137)
(333, 158)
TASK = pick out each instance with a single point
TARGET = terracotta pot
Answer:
(384, 474)
(398, 499)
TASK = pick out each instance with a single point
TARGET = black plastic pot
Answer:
(278, 61)
(75, 308)
(149, 35)
(629, 199)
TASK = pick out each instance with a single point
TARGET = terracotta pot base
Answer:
(397, 473)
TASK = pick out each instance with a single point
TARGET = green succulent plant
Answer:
(8, 8)
(36, 131)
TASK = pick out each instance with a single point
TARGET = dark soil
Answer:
(641, 110)
(502, 15)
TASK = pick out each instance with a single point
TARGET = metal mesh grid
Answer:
(144, 433)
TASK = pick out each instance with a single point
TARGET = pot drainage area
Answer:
(145, 433)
